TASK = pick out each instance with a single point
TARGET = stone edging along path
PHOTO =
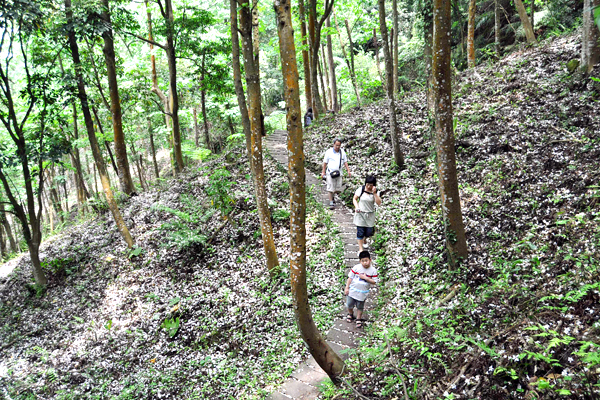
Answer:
(308, 375)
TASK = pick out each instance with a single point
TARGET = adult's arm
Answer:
(348, 169)
(376, 195)
(324, 168)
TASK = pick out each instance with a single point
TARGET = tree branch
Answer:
(143, 39)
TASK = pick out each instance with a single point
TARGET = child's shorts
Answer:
(351, 302)
(364, 232)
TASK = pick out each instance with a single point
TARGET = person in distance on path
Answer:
(360, 279)
(332, 168)
(365, 199)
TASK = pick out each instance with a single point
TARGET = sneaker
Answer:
(365, 246)
(331, 205)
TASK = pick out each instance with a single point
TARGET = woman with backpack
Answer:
(365, 199)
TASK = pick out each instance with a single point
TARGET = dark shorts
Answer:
(351, 302)
(364, 232)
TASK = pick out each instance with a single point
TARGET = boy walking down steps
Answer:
(360, 279)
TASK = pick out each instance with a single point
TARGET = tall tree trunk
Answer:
(3, 250)
(203, 103)
(154, 76)
(349, 61)
(471, 34)
(196, 129)
(315, 36)
(54, 198)
(395, 33)
(323, 88)
(50, 211)
(101, 129)
(389, 73)
(327, 359)
(497, 27)
(64, 185)
(590, 43)
(89, 124)
(115, 104)
(173, 87)
(446, 160)
(326, 76)
(334, 103)
(376, 43)
(82, 193)
(153, 149)
(95, 180)
(7, 229)
(525, 21)
(305, 55)
(256, 157)
(427, 15)
(237, 76)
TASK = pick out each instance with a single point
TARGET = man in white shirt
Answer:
(332, 169)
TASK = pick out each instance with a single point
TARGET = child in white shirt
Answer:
(360, 279)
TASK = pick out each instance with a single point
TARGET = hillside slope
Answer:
(520, 318)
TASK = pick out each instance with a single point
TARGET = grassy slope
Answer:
(522, 318)
(98, 332)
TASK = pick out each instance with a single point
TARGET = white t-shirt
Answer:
(332, 159)
(359, 288)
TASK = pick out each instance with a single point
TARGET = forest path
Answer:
(343, 336)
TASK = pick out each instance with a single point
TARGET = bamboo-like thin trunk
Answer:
(471, 34)
(196, 129)
(497, 27)
(333, 85)
(237, 75)
(203, 103)
(305, 55)
(349, 61)
(326, 77)
(446, 159)
(8, 229)
(323, 88)
(153, 149)
(395, 135)
(395, 33)
(327, 359)
(376, 43)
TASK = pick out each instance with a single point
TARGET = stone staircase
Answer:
(343, 336)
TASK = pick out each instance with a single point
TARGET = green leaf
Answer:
(597, 15)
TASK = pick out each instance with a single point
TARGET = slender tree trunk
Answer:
(153, 149)
(173, 87)
(326, 76)
(349, 61)
(376, 43)
(95, 180)
(525, 21)
(471, 34)
(395, 33)
(50, 210)
(590, 44)
(101, 129)
(204, 116)
(64, 185)
(115, 104)
(446, 160)
(237, 76)
(256, 157)
(428, 50)
(89, 124)
(323, 88)
(82, 193)
(398, 156)
(497, 27)
(315, 37)
(327, 359)
(305, 55)
(3, 250)
(334, 103)
(7, 229)
(196, 129)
